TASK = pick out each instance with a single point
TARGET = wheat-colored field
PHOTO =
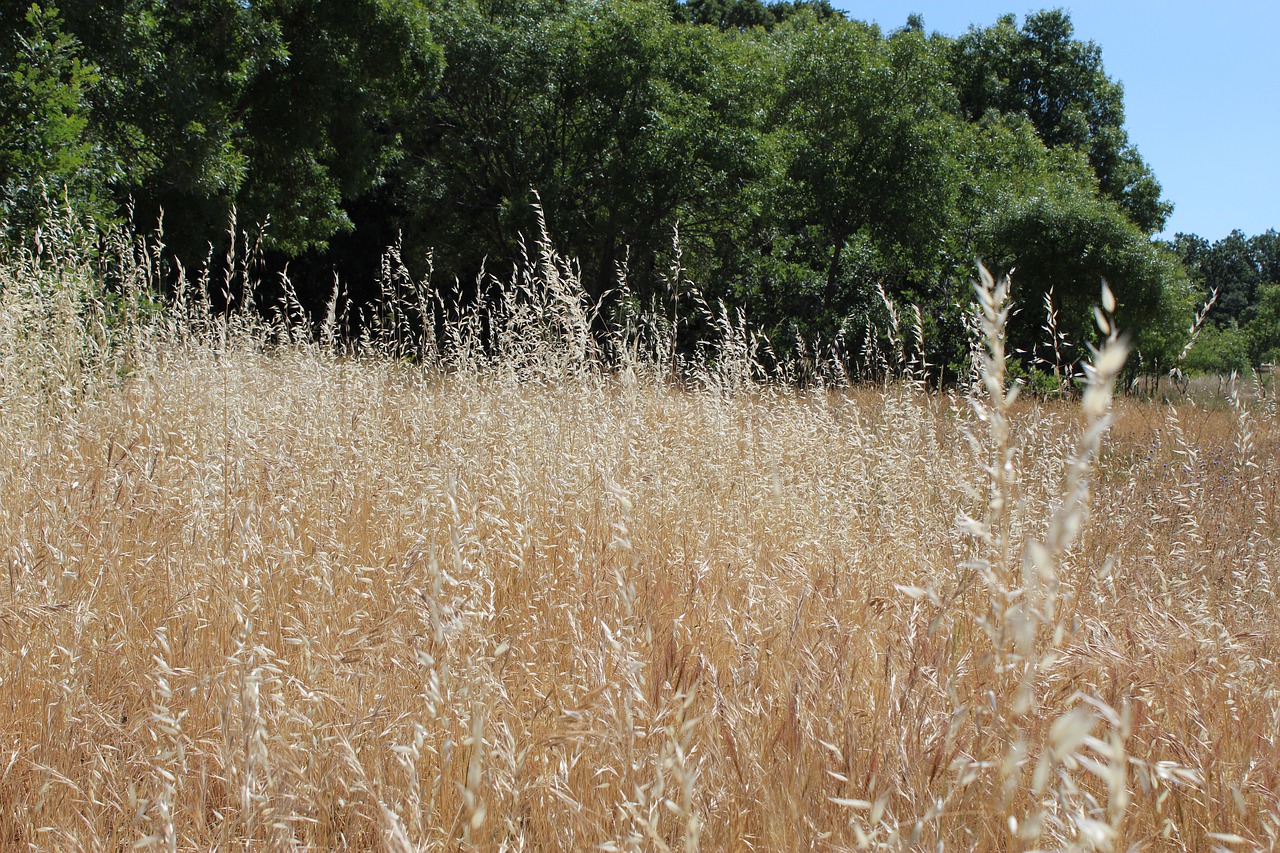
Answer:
(264, 595)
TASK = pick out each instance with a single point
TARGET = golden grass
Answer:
(276, 597)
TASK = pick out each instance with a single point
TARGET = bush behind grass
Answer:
(266, 592)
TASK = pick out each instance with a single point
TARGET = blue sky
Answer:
(1202, 92)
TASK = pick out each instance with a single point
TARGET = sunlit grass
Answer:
(271, 595)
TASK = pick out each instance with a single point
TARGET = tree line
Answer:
(1243, 273)
(811, 165)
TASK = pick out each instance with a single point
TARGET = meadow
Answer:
(263, 592)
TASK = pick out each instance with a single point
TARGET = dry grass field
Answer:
(265, 596)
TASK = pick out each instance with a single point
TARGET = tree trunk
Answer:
(833, 271)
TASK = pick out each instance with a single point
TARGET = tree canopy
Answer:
(809, 162)
(1244, 273)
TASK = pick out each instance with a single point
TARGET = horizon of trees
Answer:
(808, 161)
(1243, 328)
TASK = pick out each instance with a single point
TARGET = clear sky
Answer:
(1202, 92)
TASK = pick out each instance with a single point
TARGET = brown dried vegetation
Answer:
(271, 596)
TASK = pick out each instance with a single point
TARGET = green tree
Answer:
(725, 14)
(169, 105)
(624, 122)
(1059, 83)
(745, 14)
(324, 126)
(46, 149)
(288, 110)
(1244, 325)
(1263, 331)
(1235, 266)
(1069, 240)
(1266, 247)
(1219, 350)
(866, 129)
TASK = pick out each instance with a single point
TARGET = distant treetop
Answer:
(745, 14)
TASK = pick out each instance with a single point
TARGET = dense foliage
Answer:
(1243, 329)
(811, 165)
